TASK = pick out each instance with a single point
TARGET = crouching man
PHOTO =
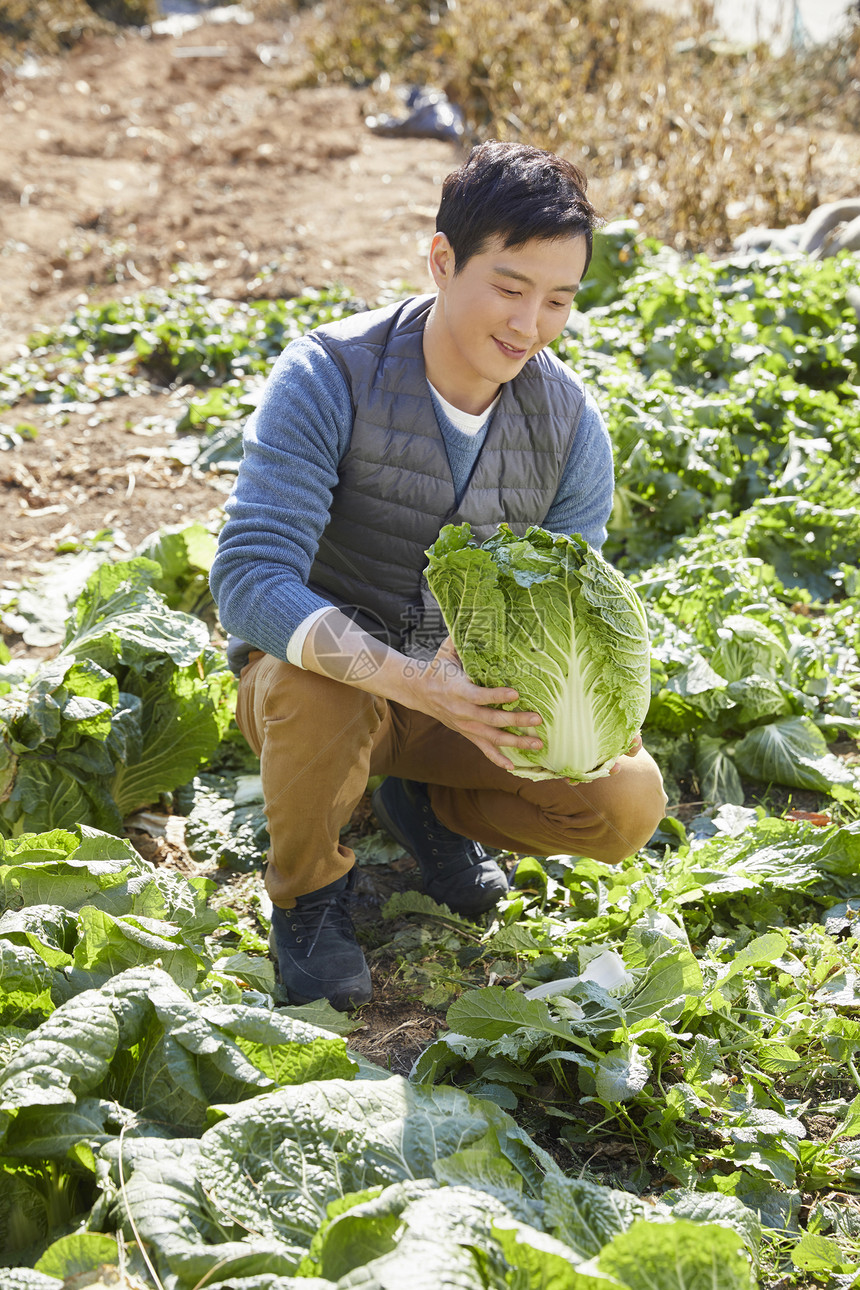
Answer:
(372, 433)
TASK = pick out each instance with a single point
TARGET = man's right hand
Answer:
(441, 689)
(438, 687)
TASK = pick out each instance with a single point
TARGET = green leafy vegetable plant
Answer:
(681, 1030)
(133, 703)
(547, 615)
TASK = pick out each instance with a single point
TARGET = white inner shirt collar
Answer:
(468, 422)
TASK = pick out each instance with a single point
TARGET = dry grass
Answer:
(695, 138)
(45, 27)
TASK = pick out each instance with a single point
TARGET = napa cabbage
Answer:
(547, 615)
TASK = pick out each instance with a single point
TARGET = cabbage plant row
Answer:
(683, 1027)
(158, 1114)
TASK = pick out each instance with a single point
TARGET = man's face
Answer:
(505, 305)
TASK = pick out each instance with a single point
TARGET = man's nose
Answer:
(523, 318)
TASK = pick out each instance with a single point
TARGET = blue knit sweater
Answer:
(279, 507)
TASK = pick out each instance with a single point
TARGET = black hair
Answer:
(515, 192)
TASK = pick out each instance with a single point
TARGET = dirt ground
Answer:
(131, 156)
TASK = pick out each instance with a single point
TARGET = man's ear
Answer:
(441, 260)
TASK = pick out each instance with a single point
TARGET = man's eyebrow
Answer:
(505, 272)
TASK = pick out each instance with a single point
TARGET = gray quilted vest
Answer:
(395, 489)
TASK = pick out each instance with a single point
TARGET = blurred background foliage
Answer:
(694, 136)
(42, 27)
(692, 131)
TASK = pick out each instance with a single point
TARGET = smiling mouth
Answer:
(510, 350)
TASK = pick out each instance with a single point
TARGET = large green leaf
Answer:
(361, 1227)
(78, 1253)
(764, 949)
(143, 1041)
(540, 1262)
(426, 1237)
(272, 1168)
(68, 1054)
(622, 1073)
(747, 650)
(792, 751)
(120, 620)
(47, 929)
(59, 872)
(25, 984)
(193, 1055)
(716, 771)
(183, 716)
(586, 1215)
(48, 795)
(671, 979)
(131, 706)
(109, 944)
(755, 698)
(713, 1207)
(185, 556)
(96, 870)
(57, 1132)
(493, 1012)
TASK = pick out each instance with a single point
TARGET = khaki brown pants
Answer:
(319, 740)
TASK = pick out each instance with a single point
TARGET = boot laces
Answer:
(328, 910)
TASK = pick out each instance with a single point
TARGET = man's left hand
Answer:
(631, 752)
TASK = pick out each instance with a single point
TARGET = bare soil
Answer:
(131, 156)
